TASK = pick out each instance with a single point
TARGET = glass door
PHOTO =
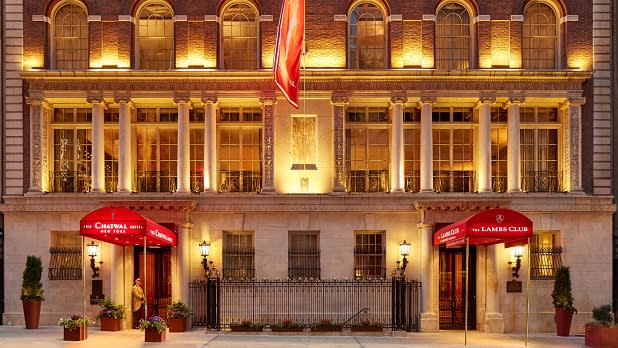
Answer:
(157, 282)
(453, 288)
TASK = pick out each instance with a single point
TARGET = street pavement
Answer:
(52, 336)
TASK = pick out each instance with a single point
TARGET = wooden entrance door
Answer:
(157, 282)
(453, 288)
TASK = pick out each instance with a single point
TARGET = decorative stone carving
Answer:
(210, 100)
(269, 145)
(427, 100)
(37, 105)
(399, 100)
(339, 131)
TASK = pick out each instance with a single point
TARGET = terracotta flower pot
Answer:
(563, 318)
(32, 313)
(177, 324)
(152, 335)
(110, 324)
(78, 334)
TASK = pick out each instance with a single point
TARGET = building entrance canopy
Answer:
(488, 227)
(122, 226)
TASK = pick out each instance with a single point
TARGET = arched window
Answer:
(540, 37)
(453, 37)
(155, 37)
(366, 37)
(240, 37)
(70, 37)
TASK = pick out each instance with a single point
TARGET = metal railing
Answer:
(65, 263)
(544, 262)
(368, 181)
(542, 181)
(154, 181)
(454, 181)
(240, 181)
(306, 302)
(69, 181)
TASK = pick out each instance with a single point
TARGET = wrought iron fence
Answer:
(394, 304)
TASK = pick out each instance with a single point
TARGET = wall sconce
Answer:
(93, 251)
(205, 251)
(517, 252)
(404, 250)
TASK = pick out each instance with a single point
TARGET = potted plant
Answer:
(563, 302)
(287, 326)
(177, 314)
(111, 315)
(366, 325)
(75, 327)
(602, 332)
(326, 325)
(246, 326)
(32, 291)
(154, 329)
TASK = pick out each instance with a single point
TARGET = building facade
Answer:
(413, 115)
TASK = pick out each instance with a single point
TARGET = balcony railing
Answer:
(368, 181)
(154, 181)
(542, 181)
(69, 181)
(197, 182)
(454, 181)
(240, 181)
(412, 179)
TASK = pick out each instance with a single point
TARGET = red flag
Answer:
(288, 49)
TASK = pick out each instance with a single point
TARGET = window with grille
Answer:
(304, 254)
(539, 150)
(72, 156)
(545, 255)
(366, 37)
(70, 40)
(240, 37)
(453, 38)
(238, 255)
(369, 254)
(539, 37)
(155, 37)
(453, 149)
(65, 256)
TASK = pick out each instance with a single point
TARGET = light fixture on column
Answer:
(404, 250)
(517, 252)
(93, 251)
(204, 252)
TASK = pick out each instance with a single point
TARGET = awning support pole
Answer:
(83, 278)
(467, 290)
(528, 293)
(145, 284)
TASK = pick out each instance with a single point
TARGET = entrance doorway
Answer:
(453, 288)
(157, 282)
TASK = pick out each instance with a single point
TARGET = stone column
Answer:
(573, 144)
(210, 144)
(429, 318)
(493, 321)
(38, 145)
(125, 181)
(484, 149)
(98, 144)
(183, 163)
(339, 105)
(426, 104)
(268, 133)
(513, 148)
(397, 154)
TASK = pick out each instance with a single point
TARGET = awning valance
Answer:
(122, 226)
(488, 227)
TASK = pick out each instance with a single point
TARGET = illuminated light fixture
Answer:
(517, 252)
(404, 250)
(93, 251)
(204, 252)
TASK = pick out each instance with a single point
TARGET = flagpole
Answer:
(303, 56)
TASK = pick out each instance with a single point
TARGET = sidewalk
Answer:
(51, 336)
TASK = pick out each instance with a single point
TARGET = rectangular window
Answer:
(412, 159)
(367, 159)
(369, 254)
(65, 256)
(539, 150)
(545, 255)
(238, 255)
(304, 254)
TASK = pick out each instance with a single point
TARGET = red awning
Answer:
(488, 227)
(122, 226)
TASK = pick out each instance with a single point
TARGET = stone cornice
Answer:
(401, 80)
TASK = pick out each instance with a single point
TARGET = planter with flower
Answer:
(177, 316)
(326, 326)
(154, 329)
(562, 299)
(75, 327)
(287, 326)
(366, 325)
(602, 332)
(246, 326)
(111, 315)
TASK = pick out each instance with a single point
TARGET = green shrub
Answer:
(31, 286)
